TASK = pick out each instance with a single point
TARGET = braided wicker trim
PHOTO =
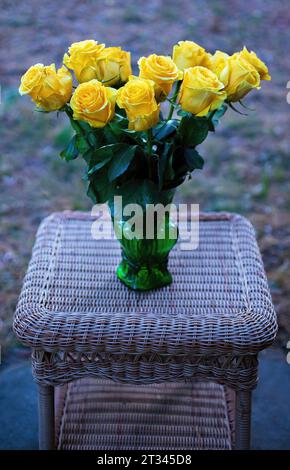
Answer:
(238, 372)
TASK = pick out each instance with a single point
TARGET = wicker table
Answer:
(184, 357)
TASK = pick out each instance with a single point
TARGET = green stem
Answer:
(149, 141)
(173, 100)
(149, 151)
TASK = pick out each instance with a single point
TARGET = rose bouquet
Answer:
(131, 147)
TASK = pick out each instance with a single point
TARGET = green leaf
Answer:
(193, 130)
(211, 127)
(134, 136)
(120, 155)
(165, 169)
(120, 113)
(121, 161)
(82, 143)
(193, 159)
(111, 137)
(119, 120)
(218, 114)
(100, 165)
(117, 129)
(85, 127)
(165, 129)
(71, 152)
(102, 153)
(91, 193)
(182, 113)
(79, 126)
(100, 189)
(88, 155)
(92, 139)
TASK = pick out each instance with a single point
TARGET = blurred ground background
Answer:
(247, 161)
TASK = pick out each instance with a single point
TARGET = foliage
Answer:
(130, 162)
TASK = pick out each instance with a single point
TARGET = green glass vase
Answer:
(144, 264)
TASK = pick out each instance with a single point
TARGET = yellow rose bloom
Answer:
(217, 62)
(201, 91)
(31, 81)
(162, 70)
(113, 66)
(257, 63)
(94, 103)
(138, 99)
(49, 88)
(82, 58)
(239, 77)
(188, 54)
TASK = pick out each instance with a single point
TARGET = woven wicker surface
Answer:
(210, 322)
(99, 414)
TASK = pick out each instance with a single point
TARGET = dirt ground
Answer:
(247, 161)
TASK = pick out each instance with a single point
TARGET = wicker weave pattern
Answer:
(98, 414)
(239, 372)
(80, 320)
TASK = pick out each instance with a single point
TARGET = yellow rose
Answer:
(31, 81)
(201, 91)
(162, 70)
(239, 77)
(113, 66)
(257, 63)
(189, 54)
(82, 58)
(138, 99)
(217, 62)
(94, 103)
(49, 88)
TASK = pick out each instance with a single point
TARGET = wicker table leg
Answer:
(46, 417)
(243, 420)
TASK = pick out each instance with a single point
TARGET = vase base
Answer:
(143, 278)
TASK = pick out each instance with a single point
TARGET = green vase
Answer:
(144, 264)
